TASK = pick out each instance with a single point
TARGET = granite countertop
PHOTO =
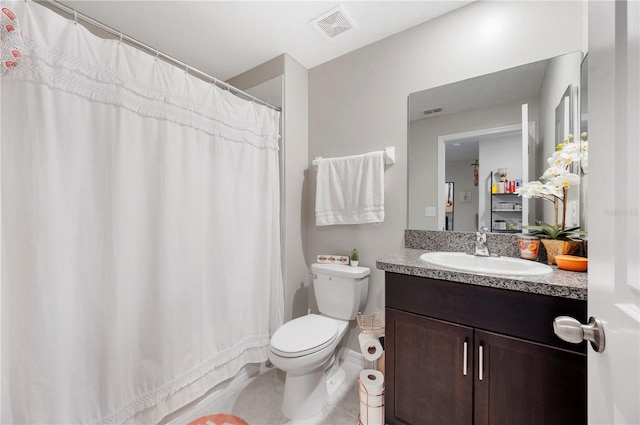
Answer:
(561, 283)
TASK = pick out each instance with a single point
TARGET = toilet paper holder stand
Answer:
(373, 324)
(371, 404)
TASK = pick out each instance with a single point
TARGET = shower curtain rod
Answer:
(203, 75)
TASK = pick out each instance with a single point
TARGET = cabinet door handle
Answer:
(480, 363)
(464, 359)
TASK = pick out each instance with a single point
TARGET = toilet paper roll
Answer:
(371, 397)
(370, 347)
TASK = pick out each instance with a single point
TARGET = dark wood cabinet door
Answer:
(527, 383)
(425, 380)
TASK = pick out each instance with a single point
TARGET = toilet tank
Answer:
(341, 290)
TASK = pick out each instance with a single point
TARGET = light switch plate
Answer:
(430, 211)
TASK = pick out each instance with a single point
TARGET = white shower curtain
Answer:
(140, 230)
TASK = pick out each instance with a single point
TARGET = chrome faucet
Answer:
(482, 250)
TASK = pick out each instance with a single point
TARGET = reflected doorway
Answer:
(448, 206)
(461, 187)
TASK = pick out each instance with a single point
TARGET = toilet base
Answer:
(309, 378)
(335, 380)
(304, 394)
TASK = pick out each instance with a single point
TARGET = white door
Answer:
(613, 210)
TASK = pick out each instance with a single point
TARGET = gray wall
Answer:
(294, 154)
(358, 102)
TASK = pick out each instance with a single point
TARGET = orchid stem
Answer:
(565, 191)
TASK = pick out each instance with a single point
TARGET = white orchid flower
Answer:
(566, 180)
(557, 177)
(560, 159)
(551, 189)
(552, 172)
(530, 189)
(571, 150)
(584, 153)
(584, 147)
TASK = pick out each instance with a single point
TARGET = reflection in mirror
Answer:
(584, 129)
(487, 112)
(460, 159)
(566, 114)
(567, 121)
(584, 105)
(448, 206)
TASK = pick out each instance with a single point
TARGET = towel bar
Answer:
(389, 156)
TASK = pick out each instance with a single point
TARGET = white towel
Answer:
(350, 190)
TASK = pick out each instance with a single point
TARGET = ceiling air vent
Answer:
(332, 23)
(432, 111)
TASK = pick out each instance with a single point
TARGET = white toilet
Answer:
(305, 347)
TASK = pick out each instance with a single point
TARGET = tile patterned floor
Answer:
(257, 400)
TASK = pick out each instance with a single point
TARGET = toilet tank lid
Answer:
(340, 270)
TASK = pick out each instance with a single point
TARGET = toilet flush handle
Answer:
(313, 275)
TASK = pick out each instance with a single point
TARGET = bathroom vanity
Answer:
(464, 348)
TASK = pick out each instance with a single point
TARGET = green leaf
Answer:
(547, 231)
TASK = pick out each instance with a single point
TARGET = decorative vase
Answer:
(556, 247)
(502, 172)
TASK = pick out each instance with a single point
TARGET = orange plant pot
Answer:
(555, 247)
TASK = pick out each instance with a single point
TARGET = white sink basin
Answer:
(494, 265)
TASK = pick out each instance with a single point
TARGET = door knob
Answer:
(570, 330)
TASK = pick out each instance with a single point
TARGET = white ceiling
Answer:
(462, 150)
(226, 38)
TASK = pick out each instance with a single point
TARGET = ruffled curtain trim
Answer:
(154, 397)
(108, 78)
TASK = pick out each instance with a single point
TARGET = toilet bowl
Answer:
(305, 347)
(305, 355)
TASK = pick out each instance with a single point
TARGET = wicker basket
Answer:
(372, 324)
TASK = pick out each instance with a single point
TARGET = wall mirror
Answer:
(466, 131)
(566, 116)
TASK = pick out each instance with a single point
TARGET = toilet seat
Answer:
(304, 335)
